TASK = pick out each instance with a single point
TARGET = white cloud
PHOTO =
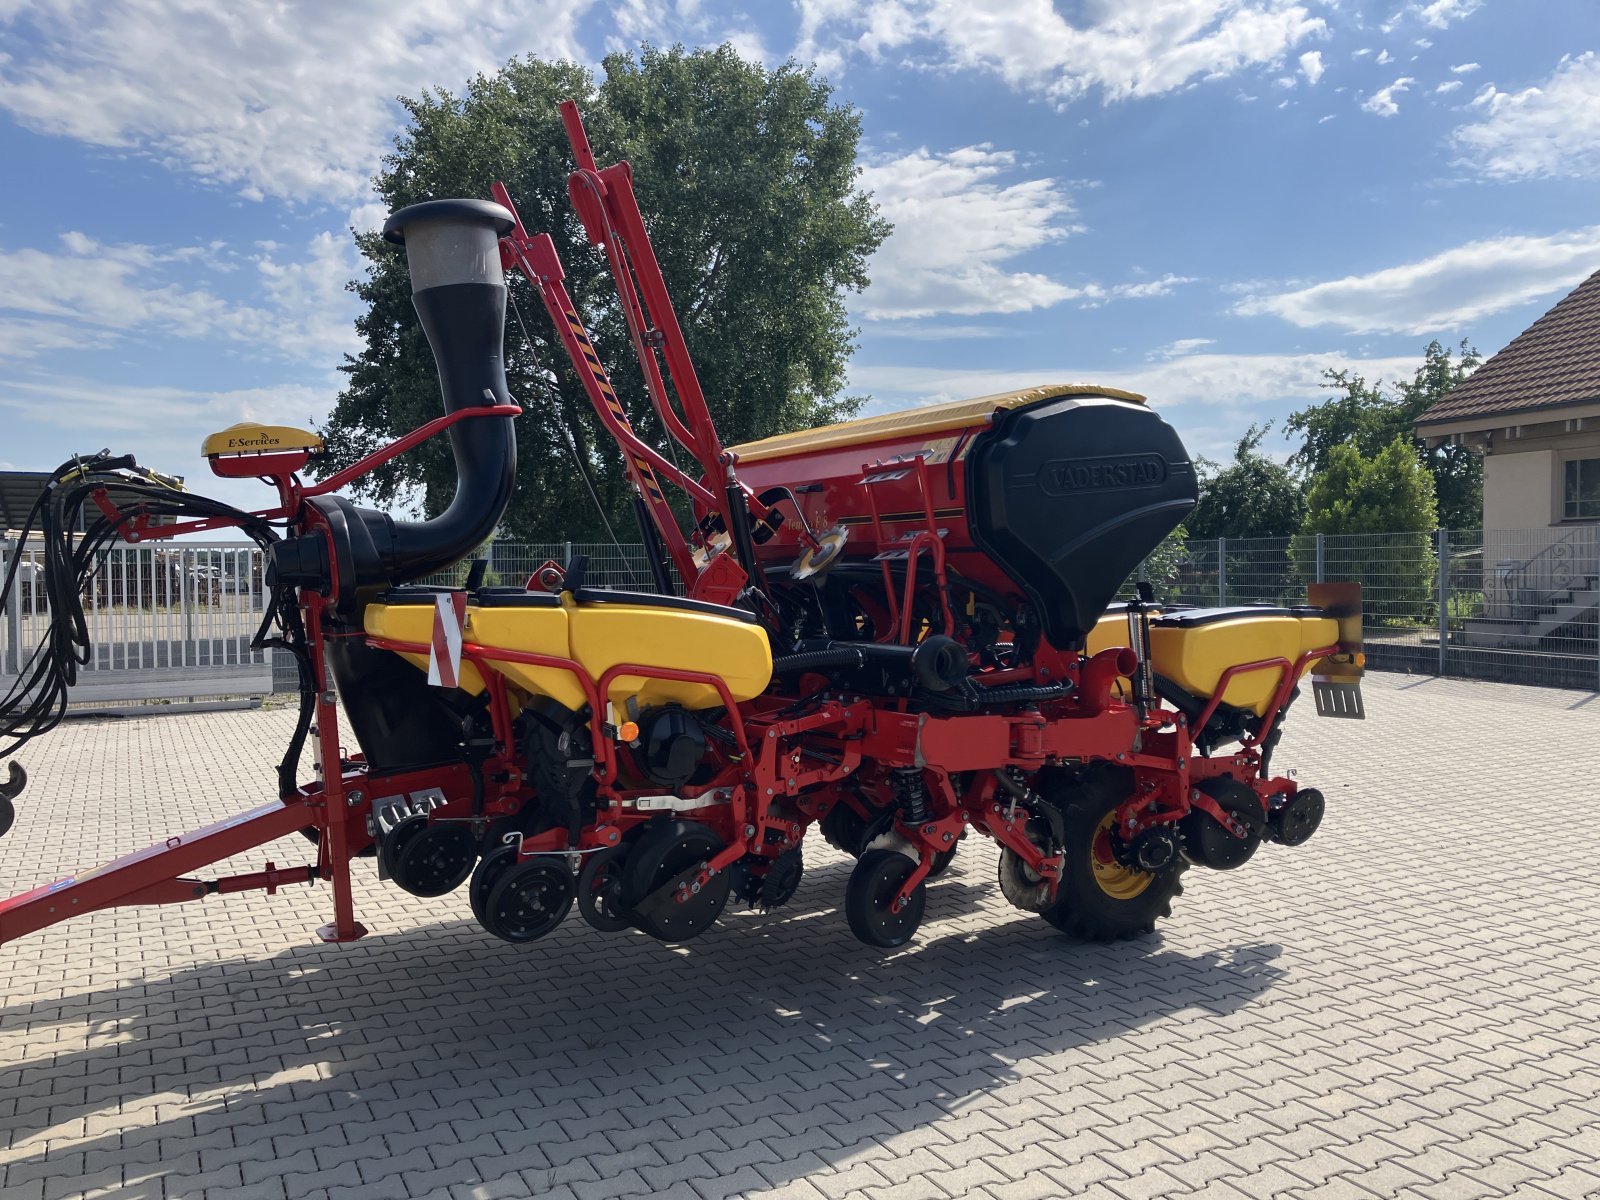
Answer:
(313, 317)
(1133, 48)
(162, 426)
(1384, 58)
(1096, 295)
(1440, 13)
(1179, 348)
(1210, 398)
(957, 226)
(75, 403)
(1464, 68)
(1444, 293)
(28, 337)
(291, 98)
(1186, 379)
(1551, 131)
(1382, 102)
(91, 294)
(1311, 66)
(748, 45)
(933, 331)
(1448, 85)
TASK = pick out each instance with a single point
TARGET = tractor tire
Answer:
(1099, 899)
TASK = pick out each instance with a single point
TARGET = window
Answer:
(1580, 493)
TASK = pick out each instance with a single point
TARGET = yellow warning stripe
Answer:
(646, 474)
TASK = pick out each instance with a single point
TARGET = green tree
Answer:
(1388, 493)
(1378, 514)
(1252, 497)
(1370, 417)
(746, 178)
(1457, 472)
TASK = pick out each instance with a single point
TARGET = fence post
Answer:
(1222, 572)
(1322, 556)
(1444, 599)
(11, 612)
(566, 554)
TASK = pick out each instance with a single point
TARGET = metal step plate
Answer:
(1338, 698)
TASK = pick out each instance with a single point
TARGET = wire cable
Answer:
(566, 435)
(72, 557)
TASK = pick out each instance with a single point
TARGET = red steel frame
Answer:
(336, 806)
(773, 794)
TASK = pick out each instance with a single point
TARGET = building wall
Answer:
(1528, 551)
(1522, 478)
(1519, 489)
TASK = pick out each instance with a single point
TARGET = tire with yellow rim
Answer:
(1100, 899)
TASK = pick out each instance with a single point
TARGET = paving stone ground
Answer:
(1409, 1005)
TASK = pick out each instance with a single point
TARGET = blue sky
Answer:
(1205, 200)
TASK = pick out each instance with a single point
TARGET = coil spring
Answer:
(911, 793)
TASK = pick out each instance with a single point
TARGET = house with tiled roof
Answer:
(1533, 412)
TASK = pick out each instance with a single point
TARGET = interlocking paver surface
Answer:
(1409, 1005)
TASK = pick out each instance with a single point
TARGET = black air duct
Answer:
(458, 287)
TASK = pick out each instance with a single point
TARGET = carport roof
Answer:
(18, 492)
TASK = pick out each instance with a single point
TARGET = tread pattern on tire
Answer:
(1082, 910)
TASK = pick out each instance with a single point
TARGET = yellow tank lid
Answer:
(935, 418)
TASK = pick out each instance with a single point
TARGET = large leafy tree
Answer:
(1252, 497)
(1370, 416)
(746, 178)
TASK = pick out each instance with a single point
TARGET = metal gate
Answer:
(165, 622)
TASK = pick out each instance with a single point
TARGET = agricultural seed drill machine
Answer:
(897, 629)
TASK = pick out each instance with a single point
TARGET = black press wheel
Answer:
(868, 898)
(436, 860)
(943, 859)
(600, 891)
(530, 900)
(490, 868)
(1100, 899)
(663, 853)
(393, 843)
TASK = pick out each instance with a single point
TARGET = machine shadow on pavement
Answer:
(440, 1037)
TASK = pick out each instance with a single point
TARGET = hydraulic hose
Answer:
(818, 660)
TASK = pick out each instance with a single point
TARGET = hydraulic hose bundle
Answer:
(76, 536)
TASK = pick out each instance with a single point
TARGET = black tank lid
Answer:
(485, 211)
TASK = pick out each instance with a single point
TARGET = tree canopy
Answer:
(1252, 497)
(1370, 417)
(1390, 492)
(746, 178)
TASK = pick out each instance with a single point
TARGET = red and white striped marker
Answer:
(444, 655)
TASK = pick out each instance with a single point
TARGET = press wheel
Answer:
(530, 900)
(874, 884)
(436, 860)
(664, 853)
(490, 868)
(394, 842)
(600, 891)
(943, 859)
